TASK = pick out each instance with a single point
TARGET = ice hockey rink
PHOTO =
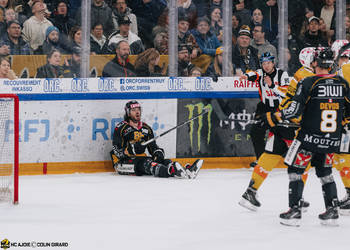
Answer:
(108, 211)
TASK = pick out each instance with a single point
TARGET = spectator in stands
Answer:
(100, 13)
(161, 43)
(97, 39)
(5, 68)
(240, 10)
(52, 69)
(120, 66)
(202, 6)
(147, 13)
(216, 23)
(244, 56)
(260, 43)
(163, 23)
(186, 38)
(52, 41)
(215, 68)
(119, 10)
(2, 20)
(71, 67)
(294, 44)
(206, 40)
(313, 36)
(11, 14)
(60, 17)
(236, 25)
(269, 9)
(124, 33)
(215, 3)
(35, 27)
(75, 36)
(146, 64)
(188, 8)
(328, 14)
(184, 61)
(323, 29)
(347, 26)
(195, 72)
(293, 62)
(12, 43)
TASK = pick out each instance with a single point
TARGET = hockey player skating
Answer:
(342, 160)
(128, 155)
(273, 83)
(323, 101)
(279, 138)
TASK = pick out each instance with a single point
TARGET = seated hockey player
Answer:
(128, 155)
(323, 101)
(273, 83)
(279, 138)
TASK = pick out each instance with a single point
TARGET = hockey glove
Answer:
(158, 156)
(270, 119)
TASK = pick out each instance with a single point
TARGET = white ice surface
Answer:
(107, 211)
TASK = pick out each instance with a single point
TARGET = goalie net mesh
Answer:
(8, 148)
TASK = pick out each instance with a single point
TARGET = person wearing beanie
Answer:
(52, 41)
(35, 27)
(206, 40)
(244, 56)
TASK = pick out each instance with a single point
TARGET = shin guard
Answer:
(296, 188)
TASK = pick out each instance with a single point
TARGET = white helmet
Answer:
(307, 56)
(337, 45)
(346, 53)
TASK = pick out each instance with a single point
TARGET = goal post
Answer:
(9, 147)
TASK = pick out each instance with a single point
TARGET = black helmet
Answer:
(130, 105)
(324, 58)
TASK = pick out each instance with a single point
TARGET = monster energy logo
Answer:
(200, 108)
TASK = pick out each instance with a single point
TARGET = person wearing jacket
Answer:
(52, 69)
(121, 9)
(120, 66)
(124, 33)
(205, 39)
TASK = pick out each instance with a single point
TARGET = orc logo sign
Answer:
(5, 244)
(194, 109)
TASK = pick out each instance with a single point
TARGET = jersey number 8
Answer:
(329, 121)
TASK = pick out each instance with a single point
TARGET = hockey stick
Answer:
(282, 124)
(176, 127)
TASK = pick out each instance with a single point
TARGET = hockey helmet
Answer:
(336, 46)
(130, 105)
(266, 56)
(325, 58)
(346, 53)
(307, 56)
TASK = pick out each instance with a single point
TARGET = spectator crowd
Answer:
(140, 27)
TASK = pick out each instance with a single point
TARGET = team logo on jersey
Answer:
(302, 159)
(329, 160)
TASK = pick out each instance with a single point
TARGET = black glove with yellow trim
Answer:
(270, 119)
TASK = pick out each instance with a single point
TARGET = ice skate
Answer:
(292, 217)
(249, 200)
(178, 171)
(192, 170)
(330, 217)
(304, 206)
(344, 206)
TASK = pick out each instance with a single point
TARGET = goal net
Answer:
(9, 126)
